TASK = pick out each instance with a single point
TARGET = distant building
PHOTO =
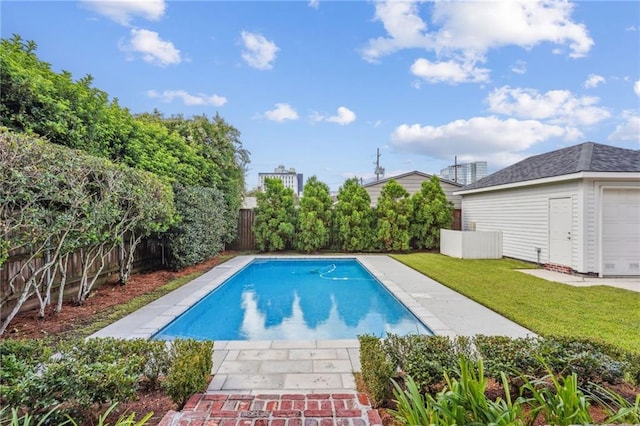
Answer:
(466, 173)
(289, 178)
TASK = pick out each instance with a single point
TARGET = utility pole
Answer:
(379, 170)
(455, 168)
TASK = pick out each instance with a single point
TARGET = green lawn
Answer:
(546, 308)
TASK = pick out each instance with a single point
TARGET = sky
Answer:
(320, 86)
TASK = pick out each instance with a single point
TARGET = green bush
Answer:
(512, 356)
(588, 360)
(191, 364)
(274, 223)
(377, 370)
(314, 217)
(394, 216)
(200, 233)
(424, 358)
(353, 218)
(514, 361)
(81, 374)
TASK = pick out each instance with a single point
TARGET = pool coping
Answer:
(311, 366)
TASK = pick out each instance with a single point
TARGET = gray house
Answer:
(576, 209)
(412, 182)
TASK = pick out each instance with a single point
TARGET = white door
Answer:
(560, 231)
(621, 231)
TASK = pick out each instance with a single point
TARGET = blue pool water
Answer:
(298, 299)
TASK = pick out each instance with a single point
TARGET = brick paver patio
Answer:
(316, 409)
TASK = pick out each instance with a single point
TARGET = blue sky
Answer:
(320, 85)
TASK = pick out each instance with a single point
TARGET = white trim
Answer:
(602, 188)
(554, 179)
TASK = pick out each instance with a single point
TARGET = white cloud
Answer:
(464, 31)
(594, 80)
(478, 138)
(258, 51)
(403, 25)
(281, 112)
(556, 106)
(476, 26)
(343, 117)
(629, 129)
(187, 98)
(451, 72)
(636, 87)
(123, 11)
(314, 4)
(520, 67)
(153, 49)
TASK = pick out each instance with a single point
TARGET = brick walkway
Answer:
(337, 409)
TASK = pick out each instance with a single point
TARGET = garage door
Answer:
(621, 232)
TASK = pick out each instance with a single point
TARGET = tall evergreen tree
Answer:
(353, 218)
(394, 214)
(431, 211)
(314, 216)
(274, 223)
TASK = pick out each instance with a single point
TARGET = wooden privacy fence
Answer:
(148, 255)
(246, 240)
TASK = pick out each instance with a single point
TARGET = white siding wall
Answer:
(412, 184)
(522, 214)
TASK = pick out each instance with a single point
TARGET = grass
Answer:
(547, 308)
(109, 316)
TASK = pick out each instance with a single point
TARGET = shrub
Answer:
(200, 233)
(275, 217)
(314, 216)
(463, 401)
(191, 364)
(394, 215)
(430, 211)
(512, 356)
(377, 371)
(424, 358)
(353, 218)
(587, 359)
(81, 374)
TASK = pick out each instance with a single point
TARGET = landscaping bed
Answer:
(109, 301)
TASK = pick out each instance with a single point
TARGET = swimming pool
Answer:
(293, 299)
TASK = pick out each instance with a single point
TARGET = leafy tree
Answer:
(199, 235)
(353, 217)
(394, 214)
(314, 216)
(431, 211)
(54, 201)
(219, 143)
(273, 225)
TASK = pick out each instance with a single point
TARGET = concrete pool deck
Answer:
(312, 366)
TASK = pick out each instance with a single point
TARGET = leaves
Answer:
(274, 223)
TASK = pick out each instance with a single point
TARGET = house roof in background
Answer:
(403, 175)
(584, 157)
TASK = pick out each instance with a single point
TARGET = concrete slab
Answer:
(630, 283)
(312, 381)
(301, 366)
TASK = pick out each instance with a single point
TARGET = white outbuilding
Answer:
(576, 209)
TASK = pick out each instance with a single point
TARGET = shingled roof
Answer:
(585, 157)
